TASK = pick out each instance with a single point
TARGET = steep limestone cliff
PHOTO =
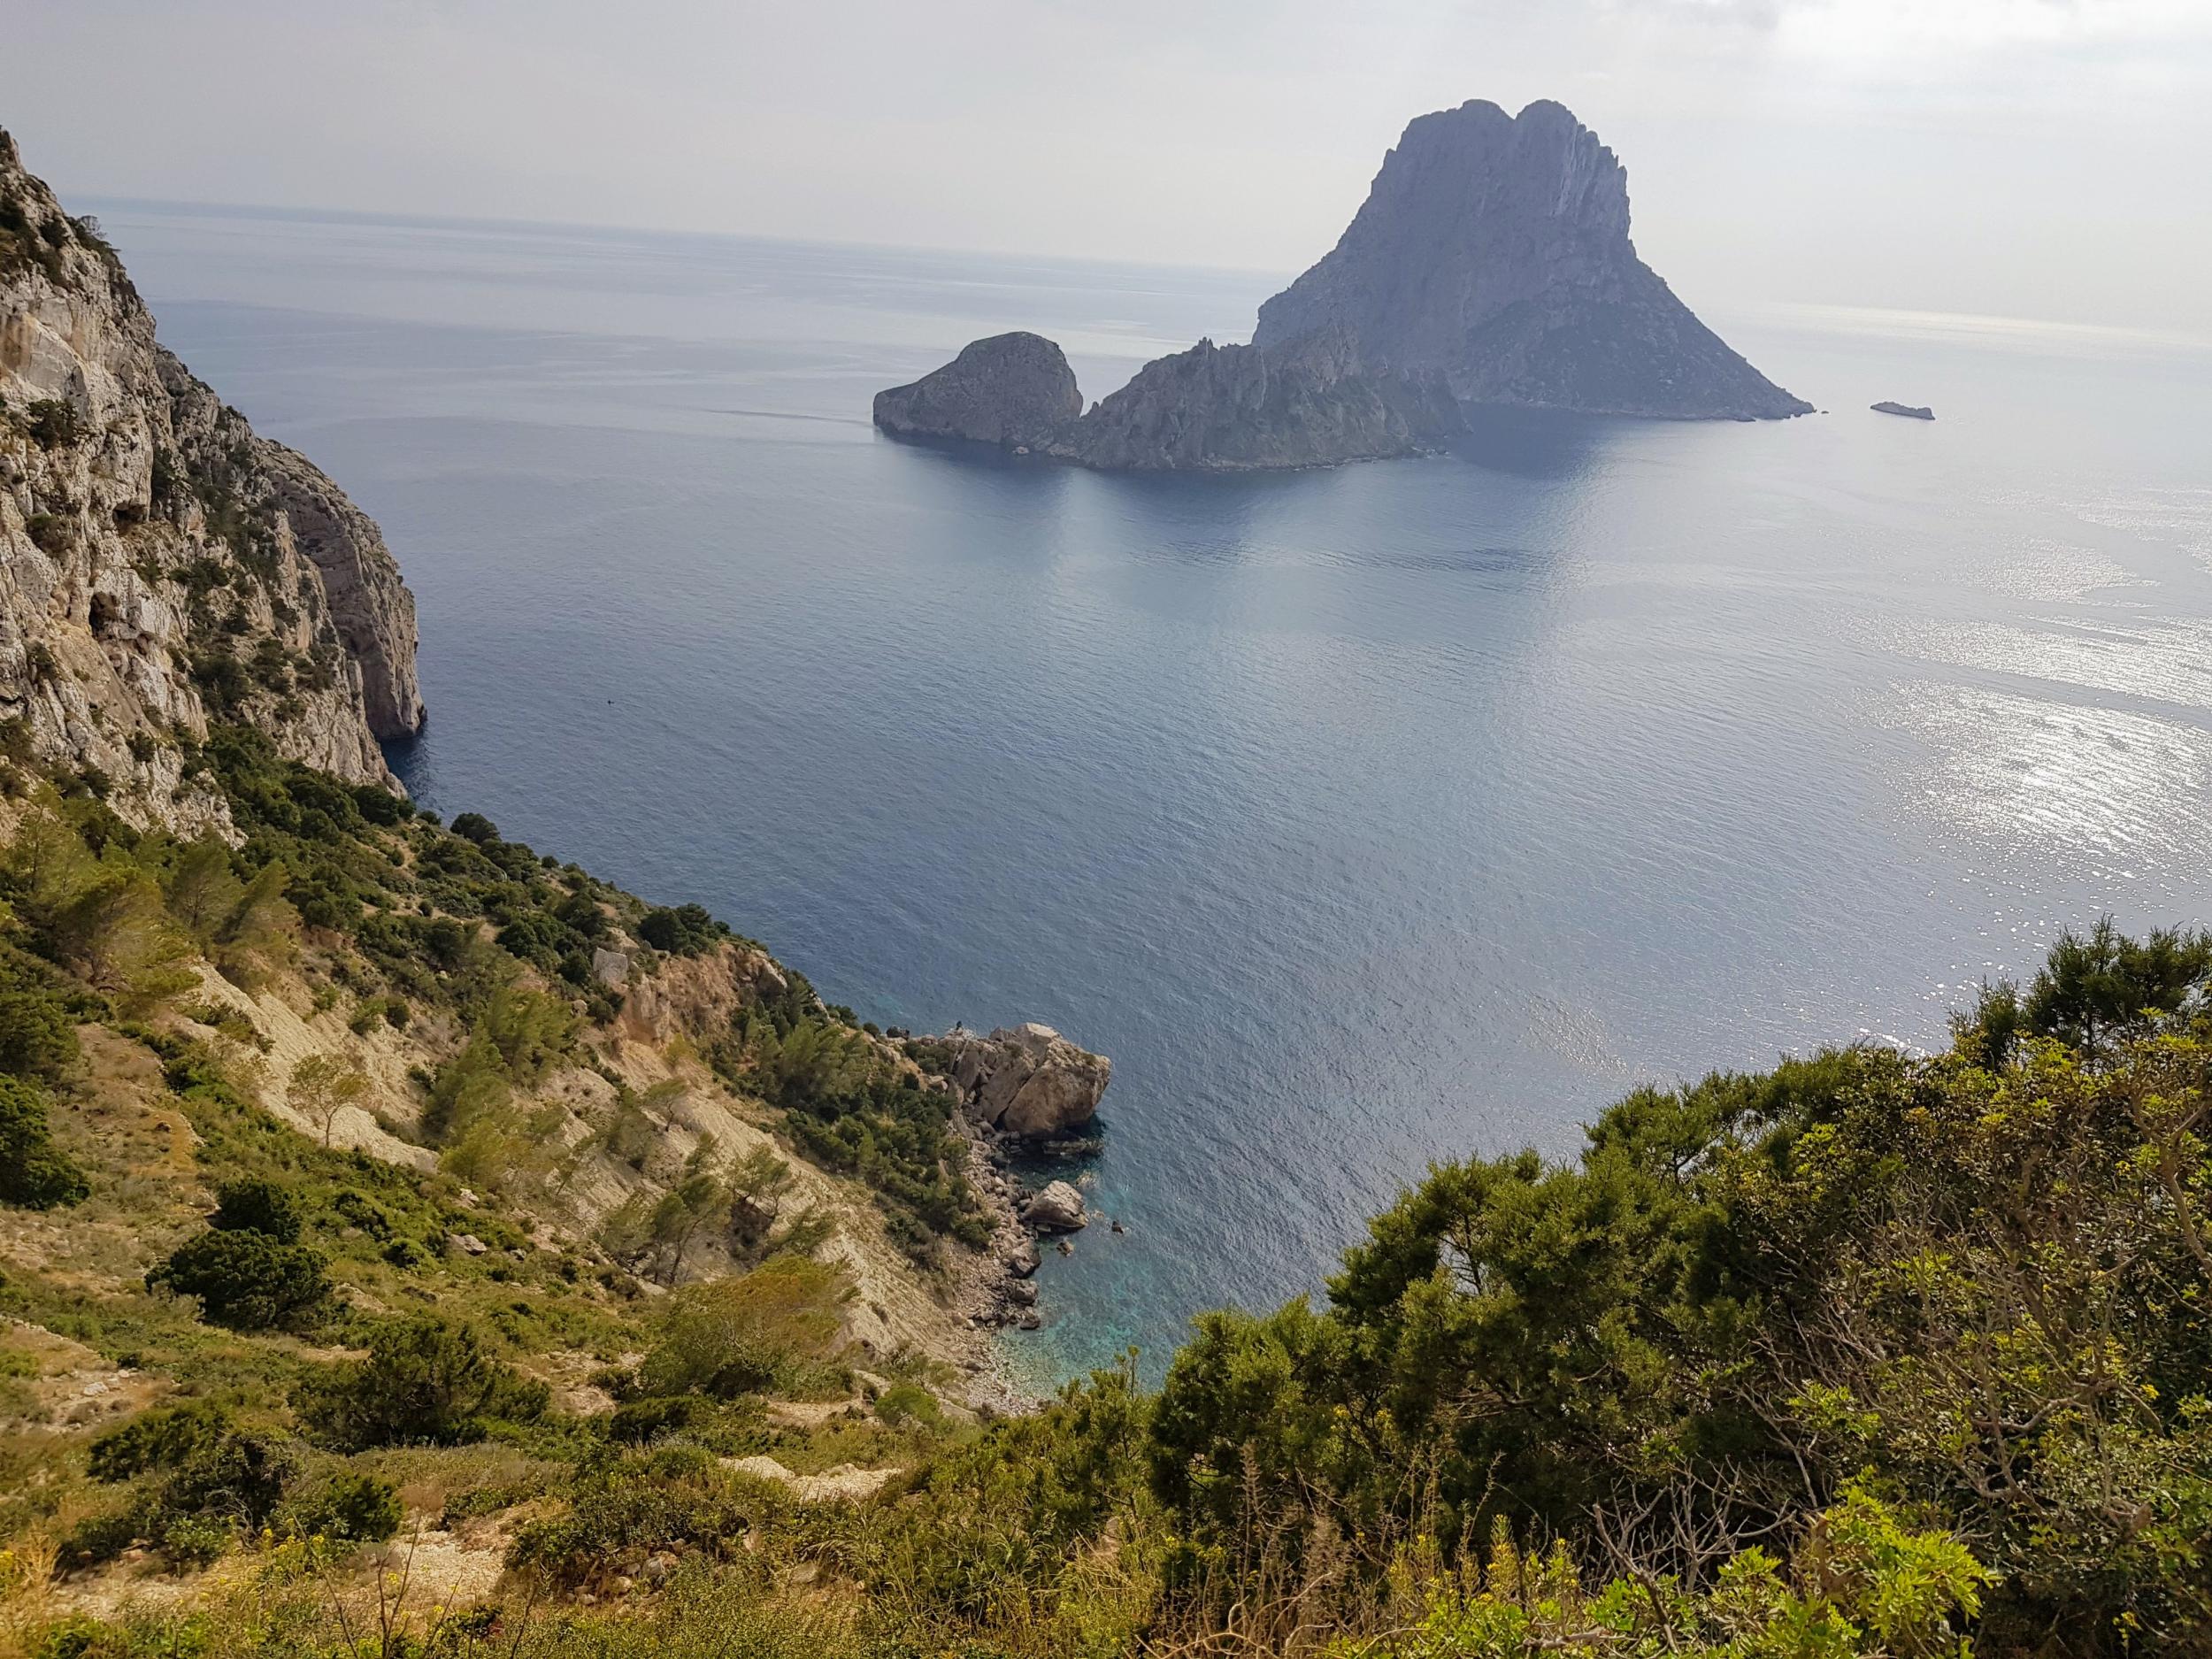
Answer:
(1492, 250)
(161, 566)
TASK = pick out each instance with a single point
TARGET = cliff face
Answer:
(160, 564)
(1493, 251)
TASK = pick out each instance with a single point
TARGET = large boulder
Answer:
(1058, 1209)
(1015, 390)
(1028, 1081)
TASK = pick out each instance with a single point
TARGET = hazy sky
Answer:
(2045, 158)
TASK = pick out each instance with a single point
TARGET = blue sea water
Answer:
(1364, 817)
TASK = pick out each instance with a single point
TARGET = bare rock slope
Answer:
(1493, 251)
(162, 566)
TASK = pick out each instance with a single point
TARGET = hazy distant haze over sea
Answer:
(2012, 157)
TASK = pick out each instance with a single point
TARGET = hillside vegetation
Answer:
(378, 1283)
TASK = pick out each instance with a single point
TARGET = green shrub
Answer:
(776, 1326)
(360, 1508)
(38, 1035)
(160, 1439)
(34, 1174)
(197, 1541)
(53, 422)
(907, 1404)
(247, 1280)
(239, 1475)
(253, 1205)
(641, 1422)
(425, 1382)
(624, 1509)
(686, 930)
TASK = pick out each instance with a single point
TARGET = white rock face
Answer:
(1029, 1080)
(161, 566)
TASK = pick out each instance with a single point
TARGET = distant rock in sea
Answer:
(1491, 265)
(1014, 389)
(1910, 410)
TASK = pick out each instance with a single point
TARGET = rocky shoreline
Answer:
(1020, 1089)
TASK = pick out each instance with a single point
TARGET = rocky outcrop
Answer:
(1492, 250)
(1027, 1081)
(1015, 390)
(1240, 408)
(1058, 1209)
(162, 566)
(1911, 411)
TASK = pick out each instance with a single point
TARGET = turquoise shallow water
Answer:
(1364, 817)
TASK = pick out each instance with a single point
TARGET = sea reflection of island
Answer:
(1544, 443)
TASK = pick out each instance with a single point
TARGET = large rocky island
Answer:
(1490, 266)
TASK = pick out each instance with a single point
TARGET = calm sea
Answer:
(1366, 816)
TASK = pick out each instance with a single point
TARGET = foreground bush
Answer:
(775, 1327)
(623, 1510)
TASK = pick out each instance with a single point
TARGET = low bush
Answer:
(687, 930)
(626, 1508)
(161, 1438)
(247, 1280)
(350, 1506)
(257, 1206)
(775, 1327)
(34, 1173)
(426, 1382)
